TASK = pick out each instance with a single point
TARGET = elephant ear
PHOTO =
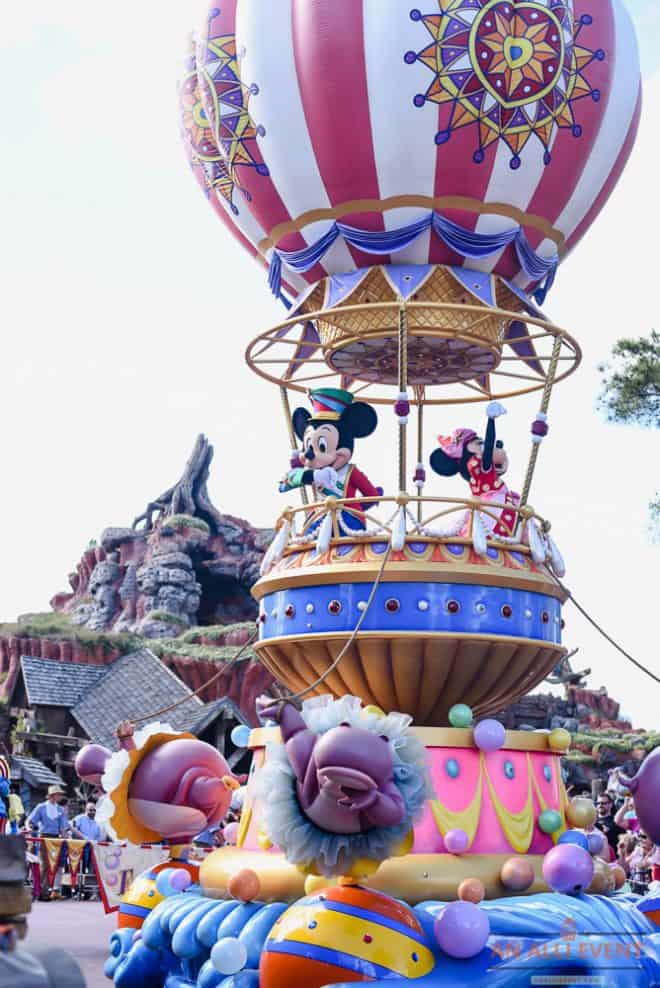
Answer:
(359, 419)
(444, 465)
(300, 421)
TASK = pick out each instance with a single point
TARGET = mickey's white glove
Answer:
(327, 478)
(494, 410)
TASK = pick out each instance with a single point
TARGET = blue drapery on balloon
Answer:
(467, 243)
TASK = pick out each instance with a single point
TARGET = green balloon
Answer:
(550, 821)
(460, 715)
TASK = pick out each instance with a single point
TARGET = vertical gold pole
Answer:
(293, 439)
(545, 404)
(403, 387)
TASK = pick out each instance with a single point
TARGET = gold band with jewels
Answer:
(414, 878)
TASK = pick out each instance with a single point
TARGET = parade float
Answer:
(412, 180)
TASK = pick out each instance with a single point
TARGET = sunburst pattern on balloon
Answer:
(226, 102)
(513, 69)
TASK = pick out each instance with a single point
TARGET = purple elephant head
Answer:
(645, 788)
(345, 776)
(178, 789)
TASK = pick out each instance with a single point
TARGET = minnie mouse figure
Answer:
(328, 435)
(483, 464)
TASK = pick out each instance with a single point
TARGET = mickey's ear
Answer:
(443, 464)
(360, 419)
(300, 420)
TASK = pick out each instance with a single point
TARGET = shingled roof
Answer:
(135, 686)
(209, 712)
(51, 683)
(35, 773)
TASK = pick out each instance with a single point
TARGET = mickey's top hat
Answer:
(329, 403)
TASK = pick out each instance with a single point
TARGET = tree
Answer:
(631, 388)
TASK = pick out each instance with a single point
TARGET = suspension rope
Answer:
(403, 387)
(204, 686)
(293, 697)
(592, 621)
(293, 439)
(420, 452)
(545, 404)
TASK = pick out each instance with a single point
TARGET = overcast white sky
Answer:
(127, 310)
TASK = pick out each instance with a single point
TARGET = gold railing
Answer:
(321, 525)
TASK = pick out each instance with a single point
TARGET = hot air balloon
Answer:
(413, 177)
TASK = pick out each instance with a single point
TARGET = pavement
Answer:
(82, 928)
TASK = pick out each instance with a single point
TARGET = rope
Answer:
(292, 697)
(420, 454)
(585, 614)
(545, 404)
(403, 387)
(211, 681)
(293, 439)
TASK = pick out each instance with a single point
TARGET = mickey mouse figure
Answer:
(328, 435)
(483, 464)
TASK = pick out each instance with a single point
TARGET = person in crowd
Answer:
(624, 849)
(49, 819)
(84, 827)
(640, 864)
(626, 816)
(605, 820)
(15, 808)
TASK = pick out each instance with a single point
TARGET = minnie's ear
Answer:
(300, 420)
(443, 464)
(359, 419)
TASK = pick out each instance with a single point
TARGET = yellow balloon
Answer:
(264, 842)
(559, 740)
(581, 813)
(372, 709)
(316, 883)
(363, 868)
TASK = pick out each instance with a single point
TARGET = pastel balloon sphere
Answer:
(180, 880)
(163, 881)
(240, 736)
(603, 880)
(489, 735)
(244, 885)
(581, 813)
(517, 875)
(460, 715)
(472, 890)
(229, 956)
(462, 930)
(550, 821)
(575, 837)
(559, 739)
(597, 842)
(457, 841)
(230, 833)
(568, 868)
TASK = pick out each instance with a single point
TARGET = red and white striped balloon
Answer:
(493, 113)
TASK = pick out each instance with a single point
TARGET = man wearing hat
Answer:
(50, 821)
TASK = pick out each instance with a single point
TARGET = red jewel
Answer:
(289, 610)
(545, 617)
(392, 605)
(367, 938)
(334, 607)
(262, 618)
(563, 624)
(507, 611)
(453, 607)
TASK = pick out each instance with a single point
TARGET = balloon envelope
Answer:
(481, 132)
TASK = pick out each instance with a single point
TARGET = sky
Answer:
(127, 310)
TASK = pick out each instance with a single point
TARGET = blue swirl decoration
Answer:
(541, 935)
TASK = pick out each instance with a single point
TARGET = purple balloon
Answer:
(645, 787)
(489, 735)
(568, 868)
(597, 842)
(180, 880)
(462, 930)
(457, 841)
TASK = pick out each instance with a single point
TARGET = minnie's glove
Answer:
(494, 409)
